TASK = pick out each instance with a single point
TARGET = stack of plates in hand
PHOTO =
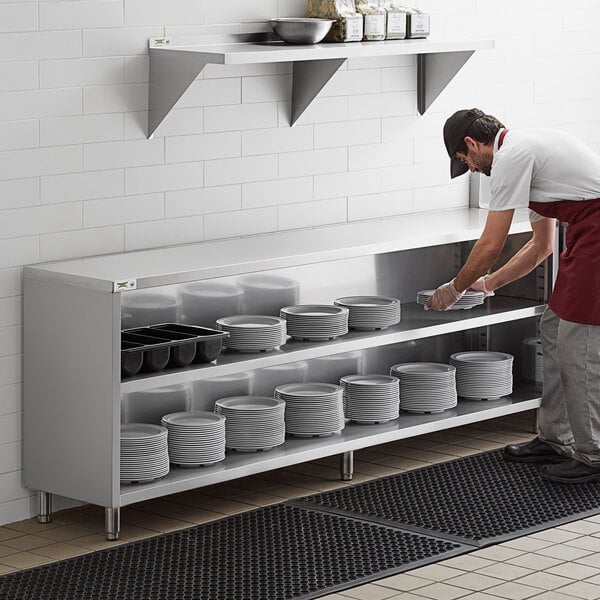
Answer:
(195, 438)
(253, 333)
(371, 398)
(371, 312)
(483, 375)
(312, 409)
(144, 452)
(315, 322)
(426, 387)
(532, 359)
(469, 299)
(252, 422)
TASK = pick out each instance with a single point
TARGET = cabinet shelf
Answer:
(416, 324)
(174, 67)
(353, 437)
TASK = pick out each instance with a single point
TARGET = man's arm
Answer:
(486, 250)
(534, 252)
(484, 254)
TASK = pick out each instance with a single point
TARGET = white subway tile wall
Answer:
(78, 176)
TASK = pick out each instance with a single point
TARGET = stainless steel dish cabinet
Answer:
(72, 324)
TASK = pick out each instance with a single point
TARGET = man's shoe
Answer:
(571, 471)
(534, 451)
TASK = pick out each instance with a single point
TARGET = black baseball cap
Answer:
(455, 130)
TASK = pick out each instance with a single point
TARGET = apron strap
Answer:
(501, 139)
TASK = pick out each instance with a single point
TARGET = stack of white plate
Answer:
(426, 387)
(208, 391)
(312, 409)
(268, 378)
(532, 359)
(203, 302)
(195, 438)
(483, 375)
(371, 398)
(144, 452)
(141, 308)
(253, 333)
(371, 312)
(468, 300)
(252, 422)
(265, 294)
(315, 322)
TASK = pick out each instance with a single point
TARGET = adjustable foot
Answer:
(112, 523)
(534, 421)
(347, 466)
(45, 507)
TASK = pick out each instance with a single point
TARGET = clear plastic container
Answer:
(418, 24)
(375, 20)
(348, 26)
(396, 21)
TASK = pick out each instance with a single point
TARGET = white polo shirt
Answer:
(542, 165)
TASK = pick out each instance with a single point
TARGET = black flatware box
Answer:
(168, 345)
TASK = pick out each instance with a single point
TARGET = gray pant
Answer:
(569, 417)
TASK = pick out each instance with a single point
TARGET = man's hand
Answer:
(480, 286)
(444, 297)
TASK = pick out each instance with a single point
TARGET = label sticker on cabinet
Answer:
(127, 284)
(159, 42)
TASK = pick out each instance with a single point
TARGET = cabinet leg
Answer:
(347, 465)
(45, 507)
(112, 523)
(534, 421)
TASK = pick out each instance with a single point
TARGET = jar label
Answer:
(354, 29)
(375, 26)
(419, 23)
(396, 25)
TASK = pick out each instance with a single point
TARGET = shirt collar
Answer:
(497, 139)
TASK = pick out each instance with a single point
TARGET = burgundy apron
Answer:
(576, 294)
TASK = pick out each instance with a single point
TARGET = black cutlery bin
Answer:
(168, 345)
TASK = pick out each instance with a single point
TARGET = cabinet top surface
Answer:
(252, 53)
(206, 260)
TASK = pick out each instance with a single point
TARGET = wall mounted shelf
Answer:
(174, 67)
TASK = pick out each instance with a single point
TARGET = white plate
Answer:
(141, 431)
(314, 310)
(422, 368)
(251, 321)
(371, 380)
(481, 357)
(250, 403)
(193, 419)
(367, 301)
(308, 389)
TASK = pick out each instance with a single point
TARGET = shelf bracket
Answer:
(434, 73)
(171, 74)
(309, 78)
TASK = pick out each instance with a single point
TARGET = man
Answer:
(557, 177)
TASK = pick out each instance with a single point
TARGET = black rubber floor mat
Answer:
(477, 500)
(280, 552)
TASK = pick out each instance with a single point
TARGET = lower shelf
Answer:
(353, 437)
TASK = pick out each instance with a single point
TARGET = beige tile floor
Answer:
(557, 564)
